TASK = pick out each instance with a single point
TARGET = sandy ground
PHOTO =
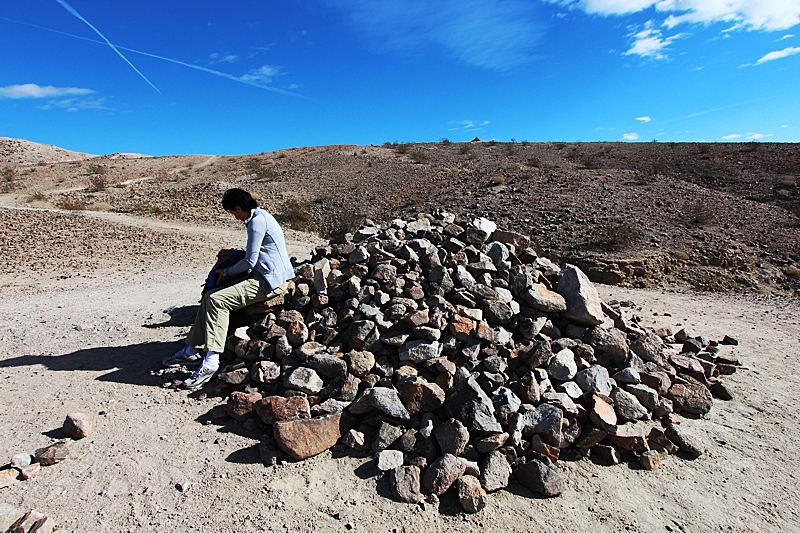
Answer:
(156, 462)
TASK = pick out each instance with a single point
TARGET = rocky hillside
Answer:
(716, 216)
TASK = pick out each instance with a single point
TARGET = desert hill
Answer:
(701, 216)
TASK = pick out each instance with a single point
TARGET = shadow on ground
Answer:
(125, 364)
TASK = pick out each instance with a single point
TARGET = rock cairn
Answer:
(460, 358)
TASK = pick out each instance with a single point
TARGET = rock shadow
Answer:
(178, 317)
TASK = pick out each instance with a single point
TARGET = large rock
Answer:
(272, 409)
(241, 406)
(78, 425)
(610, 341)
(470, 404)
(419, 395)
(540, 297)
(405, 483)
(307, 437)
(388, 401)
(692, 398)
(542, 477)
(50, 455)
(495, 471)
(420, 351)
(470, 494)
(583, 302)
(452, 436)
(442, 474)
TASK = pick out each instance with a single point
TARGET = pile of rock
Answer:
(459, 357)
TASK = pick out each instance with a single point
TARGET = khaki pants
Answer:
(210, 329)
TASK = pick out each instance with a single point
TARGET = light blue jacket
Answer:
(266, 250)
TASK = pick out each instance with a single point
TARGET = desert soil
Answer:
(90, 304)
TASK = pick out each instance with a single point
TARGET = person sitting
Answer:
(268, 271)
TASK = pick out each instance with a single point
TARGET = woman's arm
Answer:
(255, 236)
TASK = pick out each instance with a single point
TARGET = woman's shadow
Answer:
(126, 364)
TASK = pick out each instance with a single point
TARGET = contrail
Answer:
(69, 8)
(203, 69)
(710, 111)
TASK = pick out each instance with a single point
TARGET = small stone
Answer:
(50, 455)
(602, 414)
(304, 379)
(8, 477)
(650, 460)
(241, 406)
(693, 398)
(355, 440)
(21, 460)
(78, 425)
(388, 401)
(563, 367)
(627, 406)
(594, 379)
(606, 454)
(721, 391)
(238, 376)
(686, 441)
(471, 494)
(389, 460)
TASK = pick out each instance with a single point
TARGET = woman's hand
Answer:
(221, 275)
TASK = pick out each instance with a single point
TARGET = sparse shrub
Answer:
(590, 162)
(401, 148)
(471, 156)
(498, 179)
(445, 141)
(37, 196)
(97, 182)
(465, 149)
(344, 222)
(618, 233)
(659, 167)
(295, 213)
(560, 145)
(70, 204)
(793, 272)
(261, 169)
(699, 212)
(510, 148)
(535, 162)
(9, 174)
(492, 143)
(419, 157)
(101, 206)
(95, 168)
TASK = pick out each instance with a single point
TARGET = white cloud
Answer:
(468, 125)
(786, 52)
(650, 42)
(491, 34)
(264, 74)
(75, 104)
(784, 125)
(787, 36)
(757, 136)
(767, 15)
(224, 58)
(630, 136)
(731, 136)
(31, 90)
(644, 119)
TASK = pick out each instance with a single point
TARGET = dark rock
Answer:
(307, 437)
(542, 477)
(442, 473)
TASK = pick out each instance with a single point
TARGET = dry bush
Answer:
(70, 204)
(401, 148)
(617, 233)
(98, 182)
(9, 174)
(793, 272)
(535, 162)
(466, 149)
(420, 157)
(498, 179)
(699, 212)
(295, 213)
(37, 196)
(343, 222)
(445, 141)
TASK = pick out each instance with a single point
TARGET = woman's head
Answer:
(234, 198)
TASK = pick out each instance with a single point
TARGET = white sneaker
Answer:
(201, 376)
(188, 356)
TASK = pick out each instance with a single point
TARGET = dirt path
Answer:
(156, 463)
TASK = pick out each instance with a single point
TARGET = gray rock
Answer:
(405, 483)
(420, 351)
(265, 372)
(389, 460)
(646, 396)
(610, 341)
(506, 403)
(542, 477)
(686, 441)
(540, 297)
(627, 406)
(442, 473)
(388, 401)
(594, 380)
(50, 455)
(21, 460)
(563, 367)
(495, 471)
(386, 435)
(328, 365)
(303, 379)
(627, 375)
(583, 301)
(545, 420)
(452, 436)
(470, 404)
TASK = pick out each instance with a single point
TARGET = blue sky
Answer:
(249, 76)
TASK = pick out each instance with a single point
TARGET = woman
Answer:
(269, 271)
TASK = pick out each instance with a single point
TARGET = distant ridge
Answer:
(22, 152)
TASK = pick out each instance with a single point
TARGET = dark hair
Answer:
(234, 198)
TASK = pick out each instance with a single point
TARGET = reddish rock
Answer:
(602, 414)
(78, 425)
(442, 473)
(471, 494)
(692, 398)
(630, 437)
(462, 327)
(278, 408)
(50, 455)
(307, 437)
(420, 396)
(541, 477)
(241, 406)
(405, 483)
